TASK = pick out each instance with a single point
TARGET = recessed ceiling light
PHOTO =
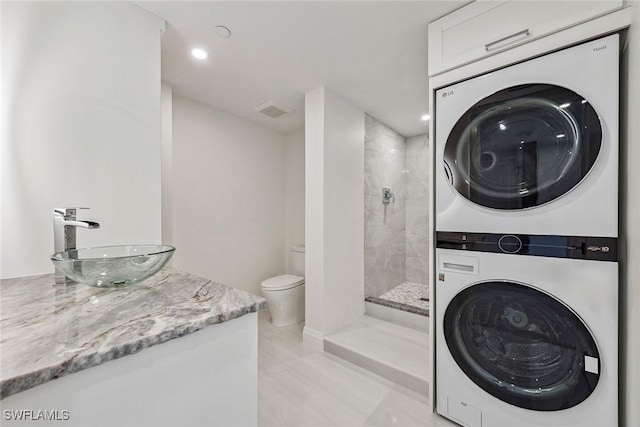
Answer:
(425, 118)
(222, 31)
(198, 53)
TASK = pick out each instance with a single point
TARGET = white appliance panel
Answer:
(587, 288)
(588, 209)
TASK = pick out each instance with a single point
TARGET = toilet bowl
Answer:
(285, 293)
(285, 299)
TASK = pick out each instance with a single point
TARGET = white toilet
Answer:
(285, 293)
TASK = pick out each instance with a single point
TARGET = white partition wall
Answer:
(344, 211)
(334, 220)
(80, 126)
(314, 217)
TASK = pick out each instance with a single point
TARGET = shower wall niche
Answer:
(396, 229)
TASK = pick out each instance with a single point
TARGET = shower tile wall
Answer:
(417, 209)
(384, 237)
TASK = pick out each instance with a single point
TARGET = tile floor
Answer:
(298, 387)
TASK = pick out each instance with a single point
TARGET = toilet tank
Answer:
(297, 260)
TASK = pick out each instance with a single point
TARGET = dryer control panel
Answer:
(575, 247)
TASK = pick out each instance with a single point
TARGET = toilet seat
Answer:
(282, 282)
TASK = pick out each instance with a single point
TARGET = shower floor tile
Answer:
(409, 293)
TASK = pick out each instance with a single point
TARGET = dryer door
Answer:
(523, 146)
(522, 346)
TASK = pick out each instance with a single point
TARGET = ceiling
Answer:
(372, 53)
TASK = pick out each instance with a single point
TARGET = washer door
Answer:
(522, 346)
(523, 146)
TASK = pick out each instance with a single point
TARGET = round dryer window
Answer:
(522, 346)
(523, 146)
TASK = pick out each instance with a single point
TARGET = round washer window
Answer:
(521, 345)
(523, 146)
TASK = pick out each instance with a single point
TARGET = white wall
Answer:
(314, 120)
(294, 233)
(80, 126)
(228, 191)
(167, 163)
(630, 226)
(344, 211)
(334, 159)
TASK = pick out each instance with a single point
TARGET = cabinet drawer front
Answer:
(483, 28)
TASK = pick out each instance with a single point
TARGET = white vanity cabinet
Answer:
(172, 350)
(483, 28)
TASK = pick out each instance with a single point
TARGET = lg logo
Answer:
(448, 93)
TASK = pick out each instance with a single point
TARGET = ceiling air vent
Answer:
(273, 109)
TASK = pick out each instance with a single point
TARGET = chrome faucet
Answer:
(64, 234)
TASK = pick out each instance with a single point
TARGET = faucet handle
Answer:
(67, 212)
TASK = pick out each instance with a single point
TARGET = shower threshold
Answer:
(398, 306)
(410, 297)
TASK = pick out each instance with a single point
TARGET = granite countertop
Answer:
(48, 331)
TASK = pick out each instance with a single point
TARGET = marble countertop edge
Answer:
(225, 304)
(75, 364)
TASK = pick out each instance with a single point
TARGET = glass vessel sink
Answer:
(112, 266)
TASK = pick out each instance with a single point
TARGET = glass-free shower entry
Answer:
(396, 221)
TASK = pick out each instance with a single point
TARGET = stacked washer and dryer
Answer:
(526, 228)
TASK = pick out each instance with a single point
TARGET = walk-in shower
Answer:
(396, 222)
